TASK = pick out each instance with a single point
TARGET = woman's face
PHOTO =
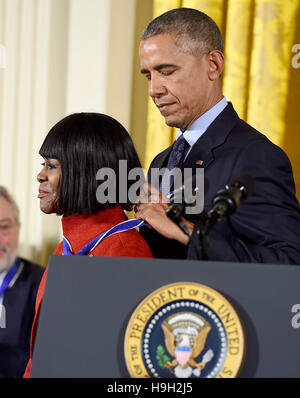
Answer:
(49, 178)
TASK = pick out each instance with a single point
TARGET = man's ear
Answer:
(216, 64)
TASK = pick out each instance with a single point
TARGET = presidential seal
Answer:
(184, 330)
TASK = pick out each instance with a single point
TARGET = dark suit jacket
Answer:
(19, 303)
(266, 226)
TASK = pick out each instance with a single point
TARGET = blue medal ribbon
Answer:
(123, 226)
(9, 276)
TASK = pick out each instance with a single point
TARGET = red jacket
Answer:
(79, 230)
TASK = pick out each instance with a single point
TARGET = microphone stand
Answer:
(225, 203)
(200, 235)
(200, 238)
(214, 215)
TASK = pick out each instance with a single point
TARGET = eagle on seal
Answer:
(185, 338)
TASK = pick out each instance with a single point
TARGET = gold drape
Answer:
(159, 135)
(259, 77)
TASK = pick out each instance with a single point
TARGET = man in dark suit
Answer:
(19, 281)
(181, 56)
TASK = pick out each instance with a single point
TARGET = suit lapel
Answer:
(202, 153)
(160, 161)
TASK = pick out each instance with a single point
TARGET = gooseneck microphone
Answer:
(226, 201)
(188, 195)
(188, 191)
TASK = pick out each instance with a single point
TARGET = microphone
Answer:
(189, 194)
(186, 192)
(227, 200)
(225, 203)
(187, 197)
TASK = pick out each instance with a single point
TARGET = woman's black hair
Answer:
(83, 143)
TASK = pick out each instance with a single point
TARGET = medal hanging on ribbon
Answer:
(122, 227)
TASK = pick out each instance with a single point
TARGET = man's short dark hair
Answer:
(84, 143)
(194, 31)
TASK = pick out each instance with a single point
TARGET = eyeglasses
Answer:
(6, 228)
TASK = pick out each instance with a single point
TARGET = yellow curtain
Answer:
(159, 135)
(260, 78)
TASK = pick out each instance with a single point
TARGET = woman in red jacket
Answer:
(79, 151)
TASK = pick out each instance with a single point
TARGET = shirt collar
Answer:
(194, 132)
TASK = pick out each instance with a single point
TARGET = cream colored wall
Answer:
(139, 98)
(62, 56)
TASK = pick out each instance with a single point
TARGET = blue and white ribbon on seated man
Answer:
(11, 274)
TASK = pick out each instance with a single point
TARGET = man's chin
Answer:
(6, 261)
(4, 264)
(171, 122)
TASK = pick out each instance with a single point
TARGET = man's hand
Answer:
(151, 206)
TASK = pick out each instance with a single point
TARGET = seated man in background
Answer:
(19, 281)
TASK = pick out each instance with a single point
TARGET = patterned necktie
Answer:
(175, 161)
